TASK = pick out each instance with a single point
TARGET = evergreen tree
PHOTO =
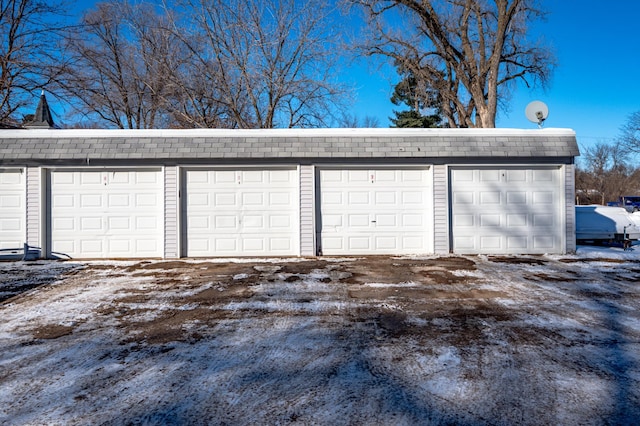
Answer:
(408, 93)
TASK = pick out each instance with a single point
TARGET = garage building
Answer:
(286, 192)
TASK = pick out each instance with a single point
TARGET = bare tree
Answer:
(604, 174)
(471, 52)
(630, 138)
(28, 31)
(267, 63)
(348, 120)
(119, 66)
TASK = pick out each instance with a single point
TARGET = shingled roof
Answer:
(202, 145)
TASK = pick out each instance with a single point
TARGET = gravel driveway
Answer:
(379, 340)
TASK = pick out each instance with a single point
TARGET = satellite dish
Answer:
(537, 112)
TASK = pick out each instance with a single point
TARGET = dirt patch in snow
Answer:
(377, 340)
(51, 331)
(518, 260)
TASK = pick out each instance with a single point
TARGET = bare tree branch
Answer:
(470, 51)
(28, 33)
(273, 61)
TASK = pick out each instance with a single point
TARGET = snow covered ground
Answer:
(381, 340)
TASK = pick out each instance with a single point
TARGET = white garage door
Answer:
(245, 212)
(375, 211)
(12, 210)
(506, 210)
(107, 213)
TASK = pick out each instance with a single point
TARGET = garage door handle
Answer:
(373, 221)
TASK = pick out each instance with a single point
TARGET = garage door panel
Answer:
(279, 222)
(10, 225)
(374, 211)
(253, 244)
(515, 175)
(464, 243)
(463, 197)
(544, 242)
(413, 197)
(386, 243)
(358, 221)
(382, 198)
(242, 212)
(489, 175)
(253, 176)
(517, 242)
(490, 220)
(508, 210)
(543, 197)
(542, 175)
(413, 243)
(358, 197)
(517, 220)
(516, 197)
(334, 220)
(199, 244)
(87, 179)
(463, 220)
(490, 197)
(88, 224)
(491, 243)
(387, 220)
(11, 178)
(106, 213)
(90, 200)
(65, 246)
(357, 176)
(284, 199)
(224, 246)
(279, 245)
(63, 223)
(147, 223)
(10, 201)
(224, 200)
(91, 248)
(544, 220)
(253, 199)
(219, 177)
(332, 198)
(228, 222)
(119, 200)
(416, 221)
(359, 244)
(333, 244)
(254, 223)
(416, 176)
(124, 223)
(119, 246)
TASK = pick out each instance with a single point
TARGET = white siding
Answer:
(34, 210)
(441, 210)
(570, 208)
(171, 208)
(307, 208)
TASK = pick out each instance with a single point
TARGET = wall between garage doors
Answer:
(173, 238)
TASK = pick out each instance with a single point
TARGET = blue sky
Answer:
(595, 86)
(593, 90)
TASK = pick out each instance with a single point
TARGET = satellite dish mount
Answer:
(537, 112)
